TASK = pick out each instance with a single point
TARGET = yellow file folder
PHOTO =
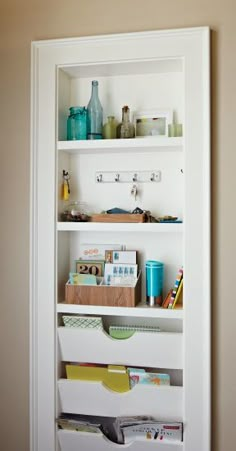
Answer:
(114, 377)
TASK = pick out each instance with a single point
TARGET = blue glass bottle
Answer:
(77, 123)
(94, 114)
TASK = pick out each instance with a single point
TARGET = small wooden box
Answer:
(104, 295)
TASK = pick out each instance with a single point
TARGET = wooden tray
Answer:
(119, 217)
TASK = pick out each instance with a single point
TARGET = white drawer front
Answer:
(160, 350)
(83, 441)
(92, 398)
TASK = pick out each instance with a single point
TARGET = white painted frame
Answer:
(193, 45)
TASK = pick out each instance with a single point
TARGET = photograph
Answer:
(152, 122)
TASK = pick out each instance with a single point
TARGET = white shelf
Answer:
(122, 145)
(119, 227)
(143, 311)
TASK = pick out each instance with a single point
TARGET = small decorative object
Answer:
(116, 210)
(168, 218)
(152, 122)
(77, 123)
(175, 130)
(109, 129)
(125, 129)
(94, 114)
(137, 211)
(75, 212)
(94, 267)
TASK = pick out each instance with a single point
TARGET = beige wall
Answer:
(26, 20)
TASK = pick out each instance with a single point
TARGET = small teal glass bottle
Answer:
(77, 123)
(94, 114)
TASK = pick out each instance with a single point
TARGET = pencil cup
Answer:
(154, 282)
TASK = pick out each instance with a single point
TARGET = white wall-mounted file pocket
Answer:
(84, 441)
(92, 398)
(160, 349)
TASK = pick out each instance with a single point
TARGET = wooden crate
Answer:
(104, 295)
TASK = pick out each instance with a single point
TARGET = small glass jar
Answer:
(77, 123)
(109, 129)
(75, 212)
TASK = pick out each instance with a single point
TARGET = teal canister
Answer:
(77, 123)
(154, 282)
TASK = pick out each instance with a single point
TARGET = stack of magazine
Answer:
(131, 429)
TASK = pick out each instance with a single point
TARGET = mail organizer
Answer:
(112, 296)
(73, 441)
(94, 398)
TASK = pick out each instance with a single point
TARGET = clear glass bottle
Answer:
(125, 129)
(77, 123)
(109, 129)
(94, 114)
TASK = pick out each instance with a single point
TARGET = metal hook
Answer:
(117, 177)
(152, 178)
(99, 178)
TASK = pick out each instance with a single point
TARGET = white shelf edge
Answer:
(109, 145)
(144, 311)
(119, 227)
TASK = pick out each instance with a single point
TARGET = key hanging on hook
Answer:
(134, 191)
(66, 185)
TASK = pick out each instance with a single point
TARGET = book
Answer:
(123, 332)
(83, 322)
(166, 301)
(178, 294)
(176, 286)
(141, 376)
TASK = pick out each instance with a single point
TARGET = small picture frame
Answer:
(93, 267)
(152, 123)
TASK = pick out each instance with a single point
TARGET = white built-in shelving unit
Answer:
(157, 69)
